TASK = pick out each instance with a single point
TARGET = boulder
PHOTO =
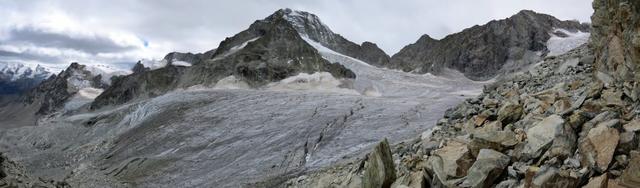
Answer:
(496, 140)
(549, 177)
(411, 180)
(612, 97)
(628, 141)
(631, 175)
(598, 182)
(510, 112)
(598, 148)
(540, 136)
(454, 158)
(379, 170)
(487, 168)
(632, 126)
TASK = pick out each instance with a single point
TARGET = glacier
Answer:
(231, 136)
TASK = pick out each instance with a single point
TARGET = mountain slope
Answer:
(480, 52)
(269, 50)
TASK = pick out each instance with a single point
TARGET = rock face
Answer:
(270, 50)
(309, 25)
(481, 52)
(379, 171)
(52, 93)
(616, 40)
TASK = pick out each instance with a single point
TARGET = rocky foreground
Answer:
(570, 121)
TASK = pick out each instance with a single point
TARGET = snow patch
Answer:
(82, 97)
(181, 63)
(235, 49)
(231, 82)
(319, 82)
(558, 45)
(153, 64)
(20, 70)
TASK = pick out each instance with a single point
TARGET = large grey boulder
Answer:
(487, 168)
(540, 136)
(599, 146)
(379, 171)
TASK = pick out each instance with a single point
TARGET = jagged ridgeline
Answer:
(271, 49)
(482, 52)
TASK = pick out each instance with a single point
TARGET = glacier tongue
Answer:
(374, 81)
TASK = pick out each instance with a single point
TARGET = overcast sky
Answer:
(123, 31)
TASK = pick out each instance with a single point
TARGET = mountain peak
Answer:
(305, 23)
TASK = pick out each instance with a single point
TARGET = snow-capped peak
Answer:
(17, 71)
(308, 25)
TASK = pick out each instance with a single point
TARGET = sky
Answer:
(120, 32)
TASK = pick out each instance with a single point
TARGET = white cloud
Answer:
(153, 28)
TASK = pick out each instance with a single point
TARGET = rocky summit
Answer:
(482, 52)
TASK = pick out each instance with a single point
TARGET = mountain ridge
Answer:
(513, 38)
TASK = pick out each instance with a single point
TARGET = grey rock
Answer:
(509, 113)
(487, 168)
(542, 134)
(379, 171)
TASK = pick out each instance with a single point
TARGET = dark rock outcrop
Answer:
(480, 52)
(52, 93)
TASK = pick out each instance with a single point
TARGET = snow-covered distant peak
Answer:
(563, 41)
(308, 25)
(17, 71)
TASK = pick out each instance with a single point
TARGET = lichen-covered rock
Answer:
(598, 182)
(598, 148)
(452, 160)
(550, 177)
(487, 168)
(541, 135)
(509, 113)
(379, 170)
(631, 175)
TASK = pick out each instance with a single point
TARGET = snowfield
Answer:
(559, 45)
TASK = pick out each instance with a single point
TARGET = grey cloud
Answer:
(200, 25)
(43, 38)
(7, 55)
